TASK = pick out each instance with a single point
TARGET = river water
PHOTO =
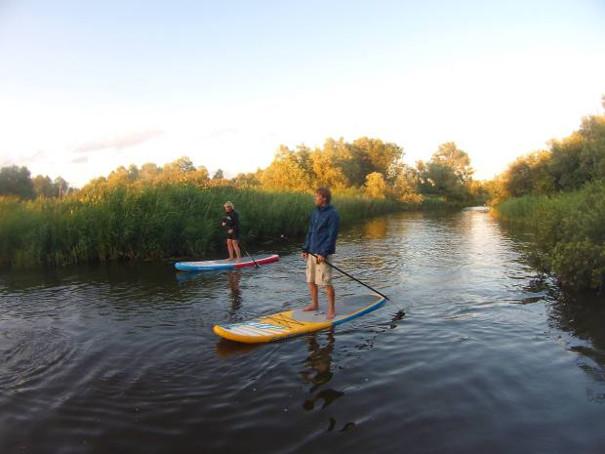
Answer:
(489, 356)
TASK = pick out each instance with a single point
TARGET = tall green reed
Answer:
(153, 222)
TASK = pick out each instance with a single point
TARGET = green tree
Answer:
(592, 158)
(405, 182)
(302, 154)
(439, 179)
(564, 165)
(480, 191)
(200, 176)
(375, 186)
(326, 171)
(16, 181)
(378, 156)
(43, 186)
(449, 155)
(176, 171)
(119, 177)
(182, 170)
(133, 172)
(149, 172)
(530, 174)
(352, 161)
(580, 157)
(286, 172)
(246, 180)
(448, 173)
(181, 165)
(61, 187)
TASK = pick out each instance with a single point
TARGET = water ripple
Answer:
(474, 346)
(30, 352)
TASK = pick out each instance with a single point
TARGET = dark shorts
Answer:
(233, 236)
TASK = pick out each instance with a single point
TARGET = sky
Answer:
(86, 87)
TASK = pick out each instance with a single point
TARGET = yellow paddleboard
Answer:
(295, 322)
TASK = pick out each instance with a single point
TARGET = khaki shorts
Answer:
(320, 274)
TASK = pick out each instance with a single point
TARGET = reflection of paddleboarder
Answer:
(230, 224)
(319, 361)
(236, 297)
(320, 373)
(319, 246)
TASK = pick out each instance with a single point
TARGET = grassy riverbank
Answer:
(569, 233)
(152, 222)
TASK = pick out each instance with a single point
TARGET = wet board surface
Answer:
(295, 322)
(213, 265)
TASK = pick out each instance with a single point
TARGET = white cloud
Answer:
(119, 142)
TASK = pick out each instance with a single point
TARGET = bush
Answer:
(569, 233)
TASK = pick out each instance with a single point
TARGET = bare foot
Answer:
(310, 307)
(330, 315)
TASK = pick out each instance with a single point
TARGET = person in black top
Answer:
(230, 224)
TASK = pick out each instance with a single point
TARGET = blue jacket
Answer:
(323, 229)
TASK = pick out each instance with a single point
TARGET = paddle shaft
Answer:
(251, 258)
(352, 277)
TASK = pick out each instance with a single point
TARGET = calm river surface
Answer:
(489, 357)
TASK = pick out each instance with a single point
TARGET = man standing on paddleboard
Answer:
(231, 225)
(320, 244)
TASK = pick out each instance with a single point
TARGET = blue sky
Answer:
(86, 87)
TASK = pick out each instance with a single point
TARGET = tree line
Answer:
(373, 168)
(16, 181)
(567, 165)
(367, 167)
(559, 194)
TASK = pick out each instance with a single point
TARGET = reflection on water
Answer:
(319, 362)
(582, 318)
(225, 348)
(488, 358)
(375, 229)
(318, 373)
(234, 278)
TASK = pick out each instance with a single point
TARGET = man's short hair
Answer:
(325, 193)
